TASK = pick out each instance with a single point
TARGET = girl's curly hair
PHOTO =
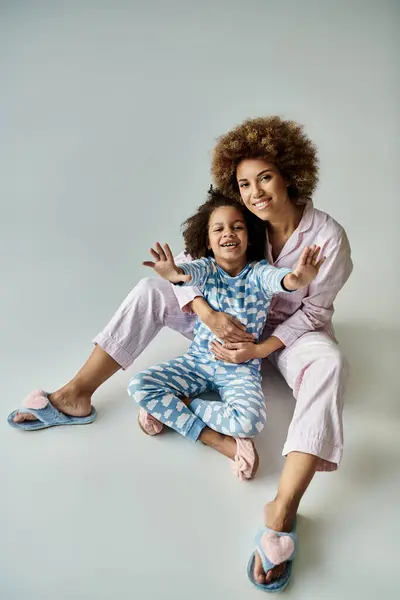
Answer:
(280, 142)
(195, 228)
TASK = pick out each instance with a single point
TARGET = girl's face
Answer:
(262, 188)
(227, 235)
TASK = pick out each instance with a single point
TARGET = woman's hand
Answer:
(164, 265)
(226, 328)
(239, 352)
(306, 269)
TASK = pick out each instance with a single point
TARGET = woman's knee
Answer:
(334, 359)
(150, 286)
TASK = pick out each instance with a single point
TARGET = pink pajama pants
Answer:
(313, 366)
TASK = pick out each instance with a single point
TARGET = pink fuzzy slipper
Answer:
(149, 424)
(245, 463)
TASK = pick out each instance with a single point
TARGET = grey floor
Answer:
(104, 511)
(108, 115)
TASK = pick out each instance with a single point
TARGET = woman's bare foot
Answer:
(70, 400)
(74, 398)
(278, 518)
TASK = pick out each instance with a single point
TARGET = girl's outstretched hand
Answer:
(306, 269)
(164, 265)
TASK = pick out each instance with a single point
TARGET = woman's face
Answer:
(262, 188)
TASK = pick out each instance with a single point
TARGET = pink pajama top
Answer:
(306, 309)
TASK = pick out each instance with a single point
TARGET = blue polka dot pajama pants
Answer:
(240, 413)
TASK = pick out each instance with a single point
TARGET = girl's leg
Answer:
(150, 306)
(242, 413)
(160, 389)
(163, 391)
(316, 371)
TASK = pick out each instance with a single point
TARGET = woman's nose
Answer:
(257, 191)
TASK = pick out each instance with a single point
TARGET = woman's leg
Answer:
(316, 371)
(150, 306)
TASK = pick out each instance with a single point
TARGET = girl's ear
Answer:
(208, 244)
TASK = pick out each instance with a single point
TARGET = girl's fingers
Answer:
(160, 251)
(148, 263)
(311, 254)
(316, 255)
(168, 252)
(154, 254)
(320, 262)
(303, 257)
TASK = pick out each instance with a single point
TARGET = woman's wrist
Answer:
(268, 346)
(202, 309)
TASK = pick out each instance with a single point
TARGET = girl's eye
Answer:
(266, 177)
(238, 227)
(242, 185)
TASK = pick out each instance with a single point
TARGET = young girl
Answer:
(218, 237)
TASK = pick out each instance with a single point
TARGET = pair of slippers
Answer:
(274, 547)
(245, 463)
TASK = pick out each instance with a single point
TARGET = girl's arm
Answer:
(194, 273)
(274, 280)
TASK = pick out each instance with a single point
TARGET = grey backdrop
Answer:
(108, 113)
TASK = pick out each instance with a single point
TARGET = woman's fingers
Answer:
(148, 263)
(235, 338)
(239, 332)
(237, 324)
(217, 350)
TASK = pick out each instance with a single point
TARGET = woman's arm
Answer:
(245, 351)
(317, 307)
(223, 326)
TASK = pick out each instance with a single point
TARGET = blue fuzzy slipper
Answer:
(274, 548)
(38, 404)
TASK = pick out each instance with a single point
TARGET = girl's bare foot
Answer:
(278, 518)
(240, 450)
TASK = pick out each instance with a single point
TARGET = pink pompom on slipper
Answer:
(36, 399)
(149, 424)
(245, 463)
(274, 548)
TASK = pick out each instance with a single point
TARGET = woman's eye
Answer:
(265, 177)
(242, 185)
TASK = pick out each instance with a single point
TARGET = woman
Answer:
(271, 166)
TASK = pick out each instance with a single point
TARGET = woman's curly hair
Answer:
(280, 142)
(195, 228)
